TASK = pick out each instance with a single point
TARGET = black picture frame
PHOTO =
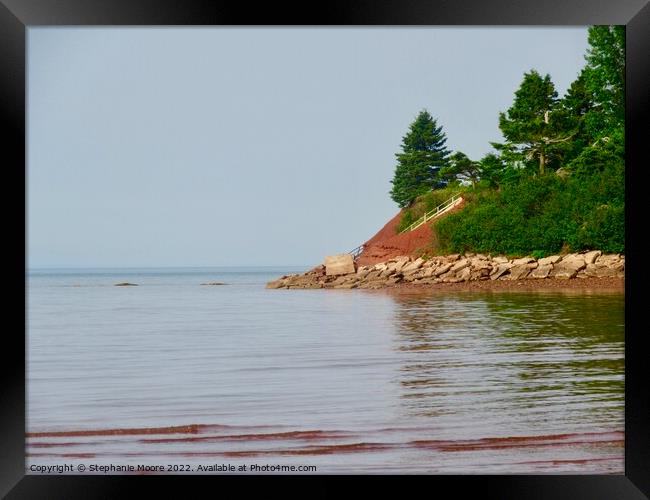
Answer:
(18, 15)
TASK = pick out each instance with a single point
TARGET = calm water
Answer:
(361, 381)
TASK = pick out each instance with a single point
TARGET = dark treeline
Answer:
(556, 182)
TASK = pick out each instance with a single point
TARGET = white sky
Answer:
(275, 146)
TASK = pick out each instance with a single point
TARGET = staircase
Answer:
(441, 209)
(452, 202)
(356, 252)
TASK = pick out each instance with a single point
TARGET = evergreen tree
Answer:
(605, 77)
(496, 172)
(574, 111)
(533, 130)
(462, 168)
(596, 103)
(418, 165)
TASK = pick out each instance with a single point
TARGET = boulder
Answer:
(519, 271)
(396, 278)
(340, 280)
(411, 277)
(464, 275)
(499, 271)
(480, 274)
(541, 271)
(611, 260)
(596, 271)
(446, 276)
(300, 281)
(374, 284)
(480, 264)
(339, 264)
(442, 269)
(590, 257)
(318, 270)
(553, 259)
(346, 286)
(387, 272)
(500, 259)
(574, 259)
(522, 261)
(413, 266)
(313, 284)
(399, 263)
(567, 269)
(372, 275)
(461, 264)
(427, 271)
(428, 281)
(362, 272)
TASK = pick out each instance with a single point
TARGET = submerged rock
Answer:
(125, 284)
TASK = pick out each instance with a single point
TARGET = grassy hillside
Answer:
(425, 203)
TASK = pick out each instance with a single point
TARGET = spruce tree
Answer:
(534, 132)
(605, 77)
(575, 109)
(596, 104)
(418, 165)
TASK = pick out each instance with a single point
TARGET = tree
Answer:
(496, 172)
(462, 168)
(575, 110)
(605, 76)
(418, 165)
(533, 130)
(595, 104)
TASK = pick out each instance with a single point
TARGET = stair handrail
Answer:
(432, 213)
(356, 252)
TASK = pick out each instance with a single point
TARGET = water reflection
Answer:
(351, 381)
(512, 361)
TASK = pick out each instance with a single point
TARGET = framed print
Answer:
(204, 295)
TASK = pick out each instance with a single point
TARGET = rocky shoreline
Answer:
(477, 270)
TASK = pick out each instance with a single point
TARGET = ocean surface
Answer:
(177, 374)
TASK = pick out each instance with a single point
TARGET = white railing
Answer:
(356, 252)
(432, 214)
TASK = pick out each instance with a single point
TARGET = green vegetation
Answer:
(557, 182)
(423, 155)
(535, 127)
(542, 215)
(425, 203)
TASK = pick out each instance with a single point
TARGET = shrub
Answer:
(541, 216)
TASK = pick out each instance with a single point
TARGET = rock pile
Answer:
(458, 268)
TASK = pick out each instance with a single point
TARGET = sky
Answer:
(153, 147)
